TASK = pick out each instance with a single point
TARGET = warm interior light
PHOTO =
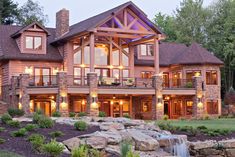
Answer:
(197, 74)
(111, 102)
(82, 65)
(159, 105)
(20, 106)
(200, 105)
(64, 106)
(83, 102)
(94, 105)
(120, 67)
(121, 102)
(28, 70)
(55, 71)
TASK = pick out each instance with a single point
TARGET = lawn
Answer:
(228, 123)
(8, 154)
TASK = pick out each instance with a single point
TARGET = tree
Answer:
(8, 12)
(31, 12)
(190, 20)
(167, 24)
(230, 99)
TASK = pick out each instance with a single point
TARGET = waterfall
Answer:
(180, 148)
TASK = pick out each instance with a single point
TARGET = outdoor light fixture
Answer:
(111, 102)
(93, 94)
(121, 102)
(20, 106)
(159, 99)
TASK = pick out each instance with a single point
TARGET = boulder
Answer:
(159, 153)
(111, 126)
(202, 144)
(142, 141)
(97, 142)
(230, 152)
(227, 143)
(113, 137)
(72, 143)
(113, 150)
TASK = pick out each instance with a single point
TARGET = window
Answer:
(125, 60)
(115, 57)
(125, 73)
(191, 74)
(77, 75)
(34, 43)
(42, 76)
(116, 73)
(146, 50)
(146, 74)
(212, 107)
(165, 79)
(211, 77)
(101, 55)
(77, 57)
(189, 107)
(87, 55)
(146, 106)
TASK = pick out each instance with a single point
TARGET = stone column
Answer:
(14, 99)
(198, 105)
(157, 100)
(62, 95)
(92, 100)
(24, 98)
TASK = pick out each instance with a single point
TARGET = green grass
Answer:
(4, 153)
(227, 123)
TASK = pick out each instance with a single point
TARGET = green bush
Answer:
(15, 112)
(20, 133)
(165, 117)
(2, 140)
(39, 111)
(82, 114)
(56, 114)
(37, 141)
(37, 117)
(80, 125)
(53, 148)
(72, 114)
(31, 127)
(202, 127)
(13, 123)
(6, 117)
(81, 151)
(55, 134)
(126, 115)
(189, 85)
(102, 114)
(2, 129)
(45, 122)
(125, 148)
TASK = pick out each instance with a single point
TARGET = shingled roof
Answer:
(94, 21)
(9, 49)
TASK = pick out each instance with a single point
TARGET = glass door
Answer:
(42, 76)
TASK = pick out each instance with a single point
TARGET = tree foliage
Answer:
(8, 12)
(30, 12)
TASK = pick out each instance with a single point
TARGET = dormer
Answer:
(32, 39)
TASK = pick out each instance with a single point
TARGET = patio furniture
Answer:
(130, 82)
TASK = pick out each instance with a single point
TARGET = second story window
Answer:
(33, 42)
(146, 50)
(146, 74)
(211, 77)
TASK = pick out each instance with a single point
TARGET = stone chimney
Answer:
(62, 22)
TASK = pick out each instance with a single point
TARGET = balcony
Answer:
(179, 84)
(43, 81)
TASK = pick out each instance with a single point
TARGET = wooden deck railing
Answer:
(179, 84)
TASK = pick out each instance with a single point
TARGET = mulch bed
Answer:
(21, 146)
(203, 137)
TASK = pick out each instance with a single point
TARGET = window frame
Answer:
(209, 80)
(210, 107)
(148, 50)
(33, 43)
(150, 72)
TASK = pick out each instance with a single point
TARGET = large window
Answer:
(77, 75)
(32, 42)
(191, 74)
(189, 107)
(115, 57)
(42, 76)
(212, 107)
(116, 73)
(165, 79)
(77, 57)
(146, 50)
(146, 74)
(125, 60)
(211, 77)
(125, 73)
(87, 55)
(101, 55)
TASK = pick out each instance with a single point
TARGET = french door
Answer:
(42, 76)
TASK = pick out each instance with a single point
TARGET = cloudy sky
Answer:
(82, 9)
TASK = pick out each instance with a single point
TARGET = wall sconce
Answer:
(111, 102)
(64, 106)
(55, 70)
(28, 70)
(159, 99)
(200, 104)
(159, 105)
(83, 102)
(121, 102)
(111, 67)
(94, 105)
(93, 94)
(20, 106)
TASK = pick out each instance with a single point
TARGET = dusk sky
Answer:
(82, 9)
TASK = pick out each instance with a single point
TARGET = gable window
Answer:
(33, 42)
(211, 78)
(146, 50)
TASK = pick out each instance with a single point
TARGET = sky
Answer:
(82, 9)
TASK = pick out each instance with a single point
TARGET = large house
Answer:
(114, 62)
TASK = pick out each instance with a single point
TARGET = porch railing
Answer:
(76, 81)
(179, 84)
(43, 81)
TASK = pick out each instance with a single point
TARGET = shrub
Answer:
(125, 147)
(189, 85)
(165, 117)
(6, 117)
(15, 112)
(81, 151)
(20, 133)
(132, 154)
(13, 123)
(102, 114)
(45, 122)
(2, 129)
(2, 140)
(72, 114)
(55, 134)
(82, 114)
(31, 127)
(80, 125)
(39, 111)
(202, 127)
(53, 148)
(37, 141)
(37, 117)
(126, 115)
(56, 114)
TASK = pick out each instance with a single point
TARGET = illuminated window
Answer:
(77, 75)
(146, 74)
(79, 106)
(146, 50)
(125, 60)
(115, 57)
(77, 57)
(34, 43)
(125, 73)
(116, 73)
(87, 55)
(189, 107)
(211, 77)
(101, 55)
(191, 74)
(146, 106)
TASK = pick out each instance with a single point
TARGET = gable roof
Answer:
(19, 32)
(92, 22)
(176, 53)
(9, 49)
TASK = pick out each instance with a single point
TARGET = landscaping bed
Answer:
(21, 146)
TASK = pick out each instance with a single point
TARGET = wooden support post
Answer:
(92, 53)
(156, 56)
(131, 61)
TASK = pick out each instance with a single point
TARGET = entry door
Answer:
(42, 76)
(45, 107)
(105, 107)
(166, 108)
